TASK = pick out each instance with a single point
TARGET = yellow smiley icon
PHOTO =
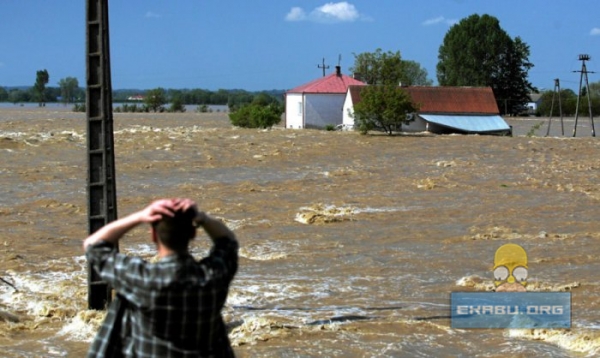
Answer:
(510, 268)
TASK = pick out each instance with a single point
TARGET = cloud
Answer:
(595, 31)
(296, 14)
(341, 11)
(439, 20)
(152, 15)
(328, 13)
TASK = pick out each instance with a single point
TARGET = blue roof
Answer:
(473, 124)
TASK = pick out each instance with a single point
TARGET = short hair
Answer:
(176, 232)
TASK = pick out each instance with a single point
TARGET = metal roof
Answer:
(446, 100)
(334, 83)
(454, 100)
(471, 124)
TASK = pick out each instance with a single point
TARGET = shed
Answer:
(445, 110)
(318, 103)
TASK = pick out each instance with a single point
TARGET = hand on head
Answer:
(183, 204)
(157, 210)
(166, 207)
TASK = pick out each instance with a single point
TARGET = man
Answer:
(171, 308)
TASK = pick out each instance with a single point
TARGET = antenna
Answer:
(323, 67)
(584, 72)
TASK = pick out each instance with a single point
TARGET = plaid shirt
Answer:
(168, 309)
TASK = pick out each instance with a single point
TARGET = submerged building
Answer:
(318, 103)
(444, 110)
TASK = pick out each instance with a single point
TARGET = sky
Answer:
(279, 44)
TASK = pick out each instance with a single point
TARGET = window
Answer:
(299, 108)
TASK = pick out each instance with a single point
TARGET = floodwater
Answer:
(350, 244)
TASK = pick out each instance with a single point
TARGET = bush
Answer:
(177, 105)
(79, 107)
(330, 127)
(256, 116)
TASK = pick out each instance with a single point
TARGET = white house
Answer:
(318, 103)
(444, 110)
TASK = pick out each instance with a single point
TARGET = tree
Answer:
(478, 52)
(39, 88)
(384, 107)
(68, 87)
(155, 99)
(3, 94)
(16, 95)
(414, 75)
(380, 68)
(256, 116)
(177, 105)
(568, 100)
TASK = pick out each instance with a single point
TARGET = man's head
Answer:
(176, 232)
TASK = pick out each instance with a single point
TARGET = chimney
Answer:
(338, 71)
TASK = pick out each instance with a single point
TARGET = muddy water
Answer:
(351, 244)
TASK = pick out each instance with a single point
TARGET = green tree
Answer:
(568, 100)
(39, 88)
(3, 94)
(256, 116)
(379, 68)
(384, 107)
(478, 52)
(16, 95)
(155, 99)
(595, 90)
(68, 89)
(414, 75)
(177, 105)
(219, 97)
(239, 99)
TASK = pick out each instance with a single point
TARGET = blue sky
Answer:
(278, 44)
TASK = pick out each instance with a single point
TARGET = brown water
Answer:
(351, 244)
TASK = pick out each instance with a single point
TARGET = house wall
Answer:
(418, 125)
(321, 109)
(347, 109)
(294, 109)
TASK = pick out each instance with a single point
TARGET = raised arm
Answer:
(114, 231)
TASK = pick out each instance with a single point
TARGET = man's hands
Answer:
(184, 204)
(113, 231)
(188, 204)
(156, 210)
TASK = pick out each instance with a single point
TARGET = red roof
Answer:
(334, 83)
(474, 100)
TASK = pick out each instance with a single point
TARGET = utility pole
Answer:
(101, 185)
(323, 66)
(584, 72)
(556, 90)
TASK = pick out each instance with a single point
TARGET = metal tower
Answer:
(556, 90)
(584, 73)
(101, 185)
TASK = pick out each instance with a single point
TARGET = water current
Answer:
(350, 244)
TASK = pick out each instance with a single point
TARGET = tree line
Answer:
(69, 92)
(475, 52)
(552, 103)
